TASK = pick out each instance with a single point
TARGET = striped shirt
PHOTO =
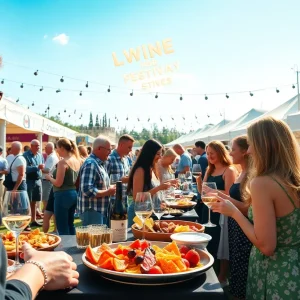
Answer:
(93, 177)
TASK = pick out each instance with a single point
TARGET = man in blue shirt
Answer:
(94, 189)
(200, 150)
(35, 165)
(185, 162)
(3, 171)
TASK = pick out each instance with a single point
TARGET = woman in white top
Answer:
(164, 166)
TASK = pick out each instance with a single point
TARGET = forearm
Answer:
(54, 182)
(239, 204)
(101, 194)
(18, 182)
(31, 275)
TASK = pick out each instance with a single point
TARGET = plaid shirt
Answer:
(117, 165)
(93, 177)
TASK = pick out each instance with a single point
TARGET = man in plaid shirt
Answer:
(94, 189)
(117, 162)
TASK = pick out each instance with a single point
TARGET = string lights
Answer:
(36, 73)
(181, 98)
(62, 79)
(87, 84)
(131, 94)
(108, 90)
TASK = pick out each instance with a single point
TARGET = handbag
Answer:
(8, 182)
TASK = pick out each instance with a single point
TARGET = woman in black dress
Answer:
(239, 244)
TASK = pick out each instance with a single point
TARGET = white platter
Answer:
(152, 279)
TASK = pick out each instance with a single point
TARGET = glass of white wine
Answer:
(16, 216)
(209, 195)
(143, 207)
(159, 204)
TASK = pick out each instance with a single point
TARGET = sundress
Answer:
(278, 276)
(239, 252)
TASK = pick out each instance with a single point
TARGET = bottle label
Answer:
(119, 228)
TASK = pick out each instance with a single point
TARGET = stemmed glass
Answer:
(209, 195)
(158, 204)
(196, 170)
(16, 216)
(143, 207)
(169, 198)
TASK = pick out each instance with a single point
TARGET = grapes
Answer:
(138, 259)
(131, 254)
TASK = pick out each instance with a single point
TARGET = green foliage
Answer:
(91, 123)
(165, 135)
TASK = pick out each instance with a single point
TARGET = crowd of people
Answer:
(256, 240)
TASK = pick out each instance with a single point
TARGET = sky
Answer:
(211, 48)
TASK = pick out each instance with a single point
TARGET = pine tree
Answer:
(109, 122)
(97, 122)
(91, 124)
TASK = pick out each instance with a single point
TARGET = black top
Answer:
(12, 289)
(235, 192)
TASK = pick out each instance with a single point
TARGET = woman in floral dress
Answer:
(274, 264)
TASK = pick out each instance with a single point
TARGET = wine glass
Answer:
(209, 195)
(113, 178)
(16, 216)
(143, 207)
(158, 204)
(196, 170)
(169, 199)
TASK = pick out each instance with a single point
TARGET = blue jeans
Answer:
(65, 203)
(92, 216)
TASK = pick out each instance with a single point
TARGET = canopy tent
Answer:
(198, 136)
(293, 120)
(280, 112)
(25, 120)
(223, 134)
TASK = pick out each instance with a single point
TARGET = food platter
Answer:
(152, 279)
(163, 237)
(55, 238)
(183, 205)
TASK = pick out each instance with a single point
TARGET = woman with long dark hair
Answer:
(143, 177)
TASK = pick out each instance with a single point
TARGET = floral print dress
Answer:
(278, 276)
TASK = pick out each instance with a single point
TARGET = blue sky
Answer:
(221, 46)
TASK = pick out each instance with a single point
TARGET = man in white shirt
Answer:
(18, 167)
(50, 165)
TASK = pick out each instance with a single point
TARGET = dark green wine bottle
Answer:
(118, 216)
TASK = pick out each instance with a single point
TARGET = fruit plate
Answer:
(163, 237)
(11, 254)
(152, 279)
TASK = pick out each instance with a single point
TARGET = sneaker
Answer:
(36, 224)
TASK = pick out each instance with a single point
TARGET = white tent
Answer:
(24, 120)
(280, 112)
(199, 136)
(223, 134)
(293, 121)
(187, 137)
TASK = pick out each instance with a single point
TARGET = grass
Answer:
(77, 222)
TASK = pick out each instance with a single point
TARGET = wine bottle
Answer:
(118, 216)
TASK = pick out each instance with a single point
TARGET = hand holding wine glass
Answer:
(143, 207)
(16, 216)
(209, 195)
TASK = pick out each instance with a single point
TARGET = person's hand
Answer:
(111, 190)
(41, 166)
(164, 186)
(224, 207)
(48, 176)
(173, 182)
(59, 267)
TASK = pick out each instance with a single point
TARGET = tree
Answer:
(97, 122)
(109, 122)
(91, 124)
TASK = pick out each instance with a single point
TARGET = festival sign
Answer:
(151, 73)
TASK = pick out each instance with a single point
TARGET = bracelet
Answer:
(42, 270)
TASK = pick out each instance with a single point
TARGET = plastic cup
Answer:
(82, 237)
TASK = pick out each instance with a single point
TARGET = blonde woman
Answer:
(164, 166)
(63, 180)
(274, 264)
(220, 171)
